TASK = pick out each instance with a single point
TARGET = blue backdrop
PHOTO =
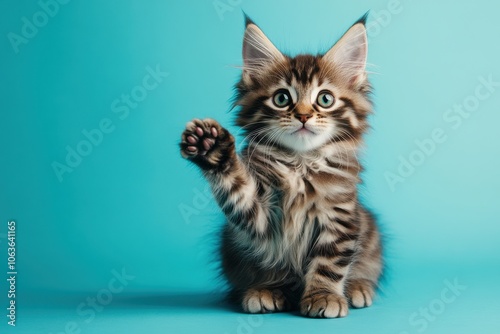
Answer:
(94, 97)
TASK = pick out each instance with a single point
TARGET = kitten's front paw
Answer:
(324, 305)
(206, 143)
(264, 301)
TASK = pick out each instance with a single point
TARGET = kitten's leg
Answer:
(366, 270)
(212, 148)
(329, 266)
(264, 301)
(324, 293)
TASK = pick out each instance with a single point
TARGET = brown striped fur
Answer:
(296, 233)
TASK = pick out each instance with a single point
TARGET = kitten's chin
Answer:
(304, 140)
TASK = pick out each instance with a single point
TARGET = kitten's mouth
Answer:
(303, 130)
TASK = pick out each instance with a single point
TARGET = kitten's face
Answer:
(304, 102)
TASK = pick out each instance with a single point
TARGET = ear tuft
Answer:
(350, 52)
(248, 20)
(363, 19)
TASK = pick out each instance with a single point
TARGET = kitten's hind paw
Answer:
(206, 143)
(264, 301)
(360, 293)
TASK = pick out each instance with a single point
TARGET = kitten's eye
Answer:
(282, 98)
(325, 99)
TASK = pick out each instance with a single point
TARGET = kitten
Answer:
(296, 234)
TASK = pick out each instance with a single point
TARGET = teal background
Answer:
(121, 206)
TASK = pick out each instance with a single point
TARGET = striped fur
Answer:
(296, 234)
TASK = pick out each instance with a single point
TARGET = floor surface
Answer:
(420, 299)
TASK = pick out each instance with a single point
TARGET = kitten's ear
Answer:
(350, 52)
(258, 50)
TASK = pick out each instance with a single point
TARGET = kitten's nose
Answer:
(303, 117)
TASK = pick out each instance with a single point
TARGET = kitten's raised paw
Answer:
(264, 301)
(324, 305)
(360, 293)
(206, 143)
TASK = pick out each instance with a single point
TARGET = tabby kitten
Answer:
(296, 234)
